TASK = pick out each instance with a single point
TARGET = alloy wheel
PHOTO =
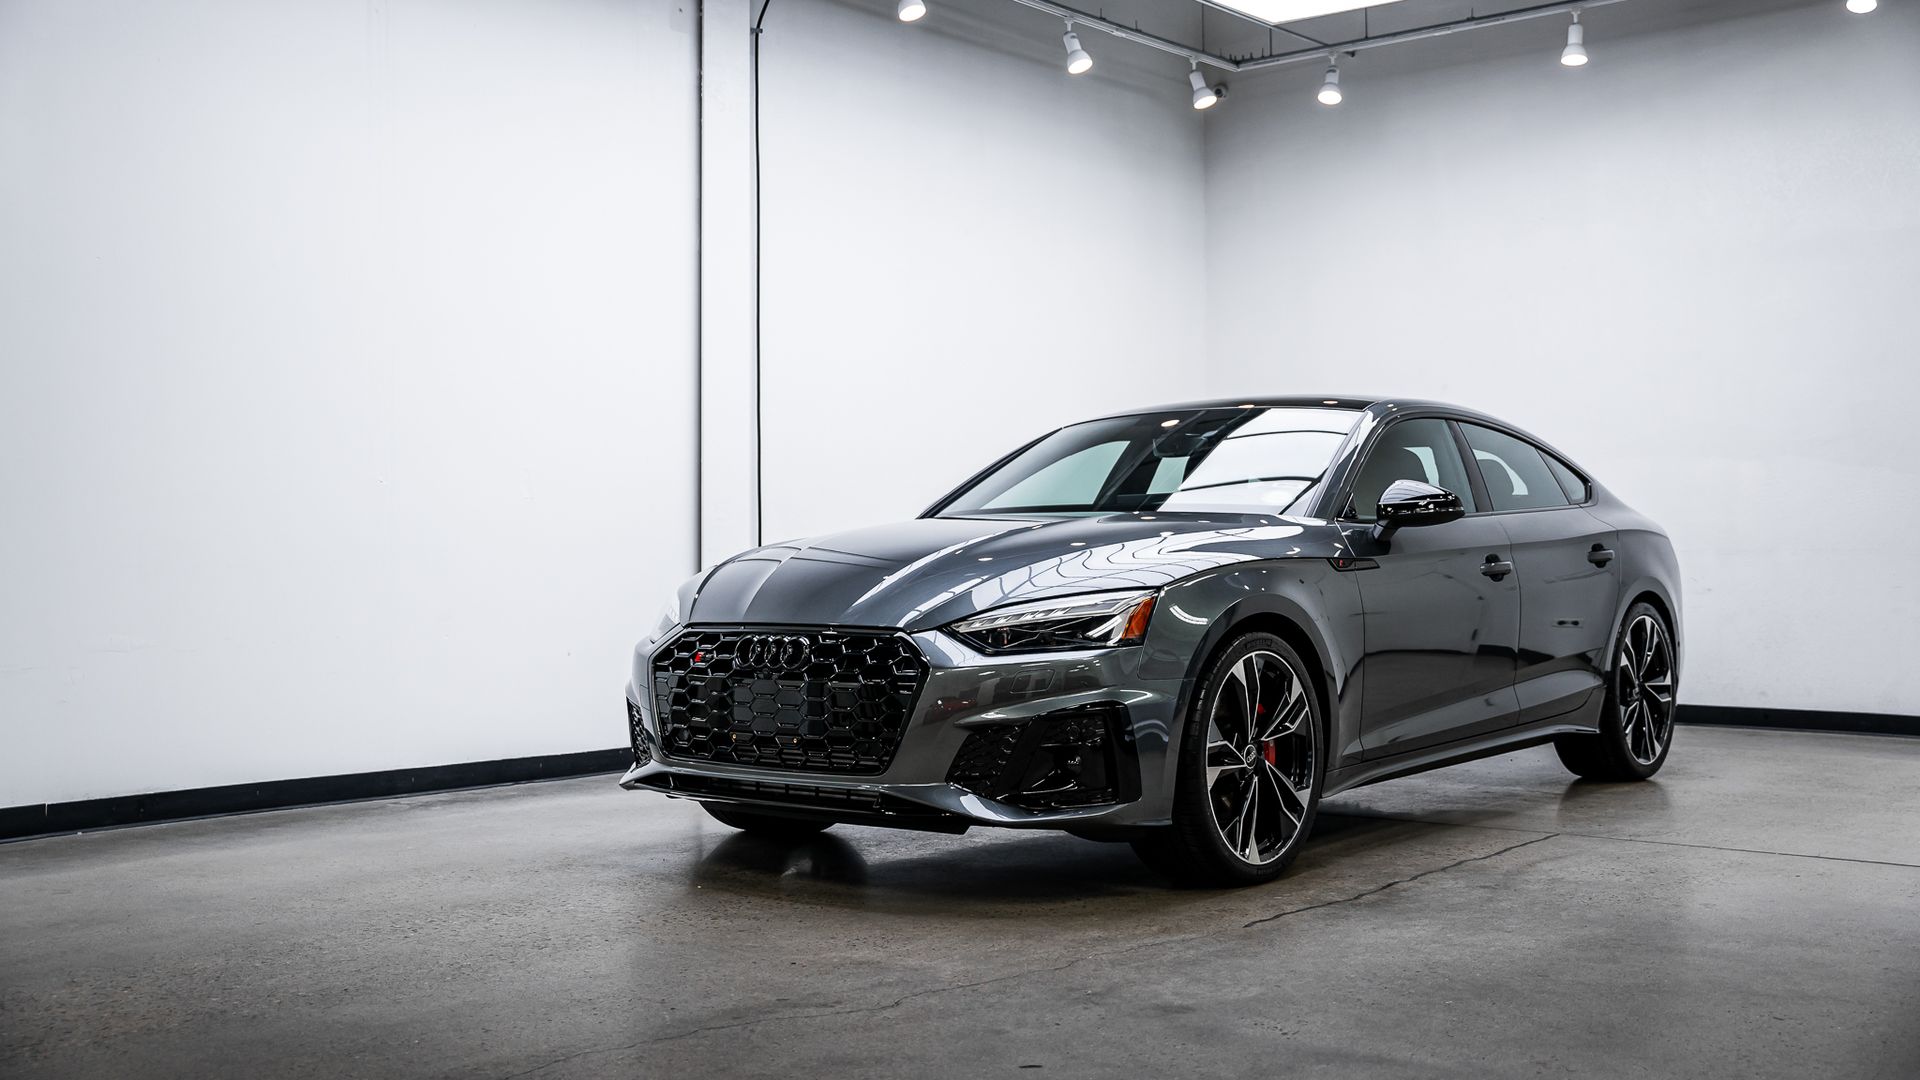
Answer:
(1260, 757)
(1645, 689)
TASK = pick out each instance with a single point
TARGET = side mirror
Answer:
(1409, 502)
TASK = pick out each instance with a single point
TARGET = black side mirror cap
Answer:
(1408, 503)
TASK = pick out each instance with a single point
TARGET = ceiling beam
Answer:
(1319, 51)
(1420, 33)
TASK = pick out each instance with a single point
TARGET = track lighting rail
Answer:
(1128, 33)
(1420, 33)
(1315, 52)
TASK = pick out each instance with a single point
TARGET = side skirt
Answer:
(1439, 757)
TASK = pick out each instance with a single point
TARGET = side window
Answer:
(1073, 480)
(1421, 450)
(1571, 482)
(1517, 475)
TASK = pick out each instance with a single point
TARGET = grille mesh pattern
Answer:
(837, 702)
(637, 730)
(1073, 757)
(984, 756)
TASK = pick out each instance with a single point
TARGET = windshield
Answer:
(1249, 461)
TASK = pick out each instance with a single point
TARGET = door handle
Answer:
(1600, 556)
(1496, 568)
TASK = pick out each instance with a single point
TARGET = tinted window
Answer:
(1570, 482)
(1516, 474)
(1421, 450)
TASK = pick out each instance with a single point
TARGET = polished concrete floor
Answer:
(1754, 912)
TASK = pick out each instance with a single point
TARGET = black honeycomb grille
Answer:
(813, 700)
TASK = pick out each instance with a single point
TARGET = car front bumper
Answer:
(965, 692)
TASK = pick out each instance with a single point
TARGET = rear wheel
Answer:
(1636, 723)
(1250, 770)
(772, 826)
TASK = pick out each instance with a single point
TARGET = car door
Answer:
(1563, 559)
(1442, 619)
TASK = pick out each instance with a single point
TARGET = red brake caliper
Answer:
(1269, 749)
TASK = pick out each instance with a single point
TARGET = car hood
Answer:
(930, 571)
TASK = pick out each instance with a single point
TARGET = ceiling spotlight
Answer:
(911, 10)
(1330, 90)
(1861, 7)
(1078, 62)
(1575, 54)
(1204, 96)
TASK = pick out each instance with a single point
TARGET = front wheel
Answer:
(1636, 723)
(1250, 770)
(772, 826)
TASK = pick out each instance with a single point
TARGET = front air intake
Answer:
(1082, 756)
(637, 729)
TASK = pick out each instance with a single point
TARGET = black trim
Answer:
(1799, 719)
(1483, 501)
(88, 814)
(852, 806)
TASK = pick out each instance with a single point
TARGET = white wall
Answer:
(963, 246)
(1691, 264)
(347, 350)
(346, 359)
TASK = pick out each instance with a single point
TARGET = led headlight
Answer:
(1094, 621)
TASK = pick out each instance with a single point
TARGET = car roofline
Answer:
(1379, 406)
(1314, 401)
(1382, 407)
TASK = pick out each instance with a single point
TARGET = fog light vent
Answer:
(637, 731)
(1075, 757)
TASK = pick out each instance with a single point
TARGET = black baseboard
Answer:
(49, 818)
(88, 814)
(1800, 719)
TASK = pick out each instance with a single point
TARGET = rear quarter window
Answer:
(1516, 472)
(1571, 482)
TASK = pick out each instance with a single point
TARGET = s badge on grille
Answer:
(777, 652)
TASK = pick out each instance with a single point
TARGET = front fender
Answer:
(1320, 607)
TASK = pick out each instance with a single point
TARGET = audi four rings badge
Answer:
(781, 652)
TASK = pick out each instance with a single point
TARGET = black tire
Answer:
(772, 826)
(1193, 850)
(1635, 735)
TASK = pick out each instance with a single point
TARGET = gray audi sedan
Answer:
(1178, 627)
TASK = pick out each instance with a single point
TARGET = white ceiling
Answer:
(1286, 11)
(1235, 35)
